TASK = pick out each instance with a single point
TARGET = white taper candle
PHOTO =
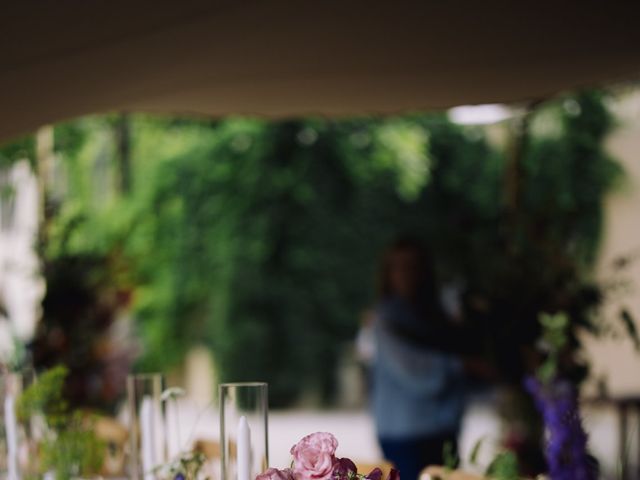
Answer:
(147, 440)
(11, 427)
(244, 449)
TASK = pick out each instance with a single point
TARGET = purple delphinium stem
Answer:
(566, 447)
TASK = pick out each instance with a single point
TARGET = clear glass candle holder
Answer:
(147, 439)
(244, 430)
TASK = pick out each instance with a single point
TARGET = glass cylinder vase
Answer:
(147, 440)
(244, 430)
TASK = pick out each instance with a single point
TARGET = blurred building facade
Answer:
(615, 361)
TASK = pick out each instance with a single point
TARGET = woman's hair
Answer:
(427, 286)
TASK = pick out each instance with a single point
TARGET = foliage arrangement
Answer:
(69, 447)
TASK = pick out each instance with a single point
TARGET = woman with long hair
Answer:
(417, 396)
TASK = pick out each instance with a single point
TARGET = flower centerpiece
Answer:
(314, 458)
(188, 466)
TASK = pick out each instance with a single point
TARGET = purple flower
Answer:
(344, 469)
(375, 474)
(394, 475)
(179, 476)
(566, 449)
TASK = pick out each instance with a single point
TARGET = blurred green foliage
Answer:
(260, 240)
(17, 149)
(553, 340)
(69, 447)
(45, 397)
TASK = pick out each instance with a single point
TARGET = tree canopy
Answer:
(260, 239)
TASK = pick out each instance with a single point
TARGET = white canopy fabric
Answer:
(281, 58)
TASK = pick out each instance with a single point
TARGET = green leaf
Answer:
(475, 451)
(630, 326)
(450, 458)
(504, 467)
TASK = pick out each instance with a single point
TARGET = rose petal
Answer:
(376, 474)
(314, 456)
(343, 467)
(275, 474)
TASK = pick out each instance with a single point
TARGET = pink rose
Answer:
(275, 474)
(314, 457)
